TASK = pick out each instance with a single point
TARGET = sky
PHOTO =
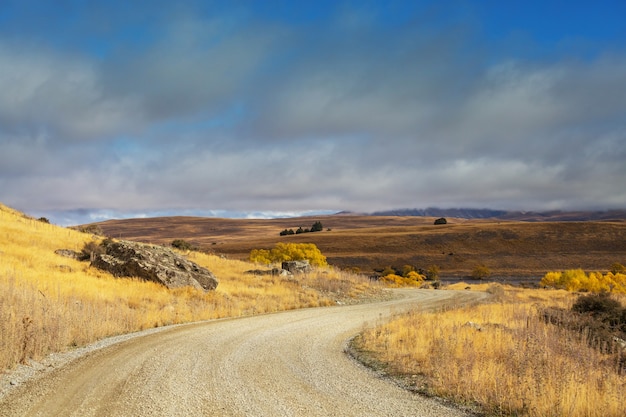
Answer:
(115, 109)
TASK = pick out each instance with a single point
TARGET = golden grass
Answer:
(49, 303)
(501, 357)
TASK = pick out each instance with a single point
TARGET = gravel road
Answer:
(284, 364)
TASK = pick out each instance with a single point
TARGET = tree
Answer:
(317, 227)
(289, 252)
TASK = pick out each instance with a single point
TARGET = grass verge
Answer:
(501, 357)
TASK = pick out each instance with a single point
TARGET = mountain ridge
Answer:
(518, 215)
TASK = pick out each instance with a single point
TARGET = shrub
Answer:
(618, 268)
(480, 272)
(289, 252)
(91, 249)
(182, 245)
(598, 305)
(432, 273)
(93, 229)
(414, 280)
(441, 220)
(43, 220)
(578, 280)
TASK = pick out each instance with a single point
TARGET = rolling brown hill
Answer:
(509, 248)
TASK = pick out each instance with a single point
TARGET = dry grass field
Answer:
(50, 303)
(507, 248)
(502, 357)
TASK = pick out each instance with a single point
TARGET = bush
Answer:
(93, 229)
(182, 245)
(289, 252)
(602, 308)
(91, 249)
(618, 268)
(598, 305)
(578, 280)
(43, 220)
(480, 272)
(432, 273)
(441, 220)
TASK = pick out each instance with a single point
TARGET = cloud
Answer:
(184, 110)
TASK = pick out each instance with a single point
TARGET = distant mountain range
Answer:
(532, 216)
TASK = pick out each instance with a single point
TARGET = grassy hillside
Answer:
(507, 248)
(51, 303)
(504, 356)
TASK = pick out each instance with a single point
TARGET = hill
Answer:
(50, 303)
(508, 248)
(530, 216)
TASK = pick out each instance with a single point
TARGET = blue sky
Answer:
(262, 108)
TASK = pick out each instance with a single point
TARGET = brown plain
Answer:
(510, 249)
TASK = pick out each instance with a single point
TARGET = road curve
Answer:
(284, 364)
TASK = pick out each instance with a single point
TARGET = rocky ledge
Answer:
(152, 263)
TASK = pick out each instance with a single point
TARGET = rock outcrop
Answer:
(153, 263)
(297, 267)
(273, 272)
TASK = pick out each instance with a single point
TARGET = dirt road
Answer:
(284, 364)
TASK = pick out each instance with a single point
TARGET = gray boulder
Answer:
(297, 267)
(273, 272)
(153, 263)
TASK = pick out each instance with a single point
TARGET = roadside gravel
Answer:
(285, 364)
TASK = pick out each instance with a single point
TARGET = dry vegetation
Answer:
(51, 303)
(502, 357)
(507, 248)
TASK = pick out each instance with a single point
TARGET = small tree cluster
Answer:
(317, 227)
(289, 252)
(408, 275)
(578, 280)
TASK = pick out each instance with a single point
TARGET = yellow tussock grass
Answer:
(502, 357)
(49, 303)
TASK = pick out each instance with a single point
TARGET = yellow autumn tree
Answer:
(289, 252)
(578, 280)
